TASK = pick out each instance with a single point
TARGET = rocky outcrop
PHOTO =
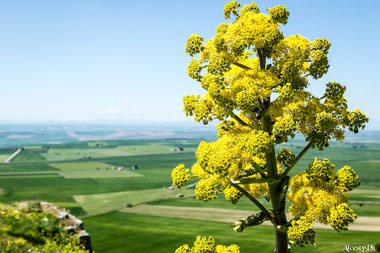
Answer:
(73, 225)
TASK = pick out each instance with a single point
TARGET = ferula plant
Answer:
(256, 87)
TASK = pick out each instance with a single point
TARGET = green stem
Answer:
(299, 156)
(261, 58)
(278, 206)
(255, 201)
(258, 168)
(241, 65)
(275, 188)
(238, 119)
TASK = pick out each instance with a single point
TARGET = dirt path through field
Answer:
(230, 216)
(12, 156)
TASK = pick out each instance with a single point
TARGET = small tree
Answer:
(255, 81)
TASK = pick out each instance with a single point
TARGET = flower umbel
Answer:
(180, 175)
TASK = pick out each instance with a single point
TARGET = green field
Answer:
(106, 202)
(5, 153)
(98, 174)
(4, 157)
(158, 220)
(75, 166)
(75, 153)
(147, 233)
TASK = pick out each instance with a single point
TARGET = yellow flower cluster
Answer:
(197, 171)
(180, 175)
(194, 70)
(334, 92)
(340, 216)
(231, 8)
(319, 64)
(316, 192)
(356, 120)
(200, 108)
(320, 171)
(184, 249)
(218, 64)
(235, 147)
(249, 8)
(247, 99)
(206, 189)
(194, 44)
(284, 127)
(227, 249)
(225, 126)
(257, 83)
(346, 180)
(285, 157)
(279, 14)
(230, 156)
(290, 60)
(325, 122)
(256, 30)
(258, 142)
(203, 244)
(222, 28)
(301, 232)
(232, 194)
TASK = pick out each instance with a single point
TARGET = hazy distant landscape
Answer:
(115, 179)
(23, 134)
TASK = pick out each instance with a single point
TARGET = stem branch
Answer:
(251, 198)
(238, 119)
(299, 156)
(241, 65)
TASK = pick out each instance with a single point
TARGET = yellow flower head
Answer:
(321, 170)
(279, 14)
(232, 194)
(180, 175)
(341, 216)
(346, 180)
(301, 232)
(203, 244)
(206, 189)
(231, 8)
(184, 249)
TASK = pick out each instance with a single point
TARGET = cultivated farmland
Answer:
(119, 189)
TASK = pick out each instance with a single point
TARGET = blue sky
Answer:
(87, 60)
